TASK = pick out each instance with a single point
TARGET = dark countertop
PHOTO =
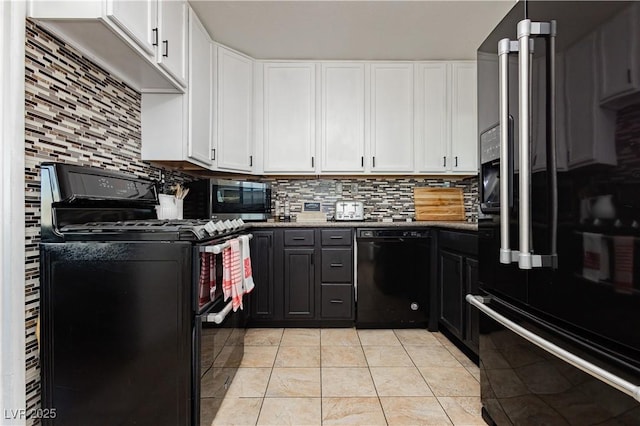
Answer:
(463, 226)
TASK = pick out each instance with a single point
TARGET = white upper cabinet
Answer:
(432, 117)
(590, 128)
(392, 117)
(464, 132)
(138, 19)
(446, 121)
(172, 38)
(126, 37)
(235, 111)
(620, 54)
(177, 128)
(342, 123)
(200, 110)
(289, 117)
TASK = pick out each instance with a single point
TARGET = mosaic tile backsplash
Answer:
(382, 197)
(75, 113)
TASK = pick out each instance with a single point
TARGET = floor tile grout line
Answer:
(418, 368)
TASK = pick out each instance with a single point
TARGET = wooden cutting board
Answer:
(438, 203)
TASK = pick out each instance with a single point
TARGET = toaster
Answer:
(349, 210)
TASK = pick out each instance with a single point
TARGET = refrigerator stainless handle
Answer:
(589, 368)
(505, 46)
(526, 28)
(524, 214)
(218, 317)
(552, 165)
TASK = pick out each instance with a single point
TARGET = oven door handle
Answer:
(584, 365)
(218, 248)
(218, 317)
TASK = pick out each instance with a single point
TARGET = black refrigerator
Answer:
(559, 230)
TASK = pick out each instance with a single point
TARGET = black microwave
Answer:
(228, 199)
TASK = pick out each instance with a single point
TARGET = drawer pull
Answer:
(335, 237)
(336, 265)
(338, 301)
(299, 238)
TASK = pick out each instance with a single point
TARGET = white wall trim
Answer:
(12, 214)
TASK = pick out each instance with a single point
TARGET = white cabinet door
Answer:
(200, 110)
(591, 129)
(619, 54)
(138, 19)
(289, 117)
(432, 116)
(392, 145)
(172, 45)
(464, 131)
(235, 111)
(342, 121)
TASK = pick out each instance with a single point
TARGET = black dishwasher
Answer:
(393, 279)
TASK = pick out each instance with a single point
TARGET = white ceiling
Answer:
(361, 29)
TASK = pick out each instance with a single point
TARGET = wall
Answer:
(75, 113)
(382, 197)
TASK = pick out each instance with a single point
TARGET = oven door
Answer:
(217, 354)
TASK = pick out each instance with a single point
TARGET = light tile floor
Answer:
(351, 377)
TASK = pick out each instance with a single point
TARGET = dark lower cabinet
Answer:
(457, 277)
(472, 314)
(303, 277)
(299, 283)
(451, 291)
(262, 260)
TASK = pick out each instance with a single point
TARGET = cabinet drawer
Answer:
(337, 265)
(459, 241)
(336, 237)
(337, 301)
(298, 237)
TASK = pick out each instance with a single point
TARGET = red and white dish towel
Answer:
(595, 257)
(207, 282)
(247, 273)
(623, 264)
(237, 278)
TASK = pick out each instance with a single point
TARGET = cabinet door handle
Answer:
(336, 265)
(213, 151)
(374, 161)
(456, 158)
(444, 161)
(335, 237)
(166, 48)
(313, 161)
(298, 238)
(337, 301)
(155, 36)
(251, 161)
(361, 161)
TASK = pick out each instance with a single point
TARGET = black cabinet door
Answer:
(451, 291)
(299, 283)
(262, 265)
(472, 314)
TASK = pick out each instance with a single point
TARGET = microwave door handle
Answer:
(505, 47)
